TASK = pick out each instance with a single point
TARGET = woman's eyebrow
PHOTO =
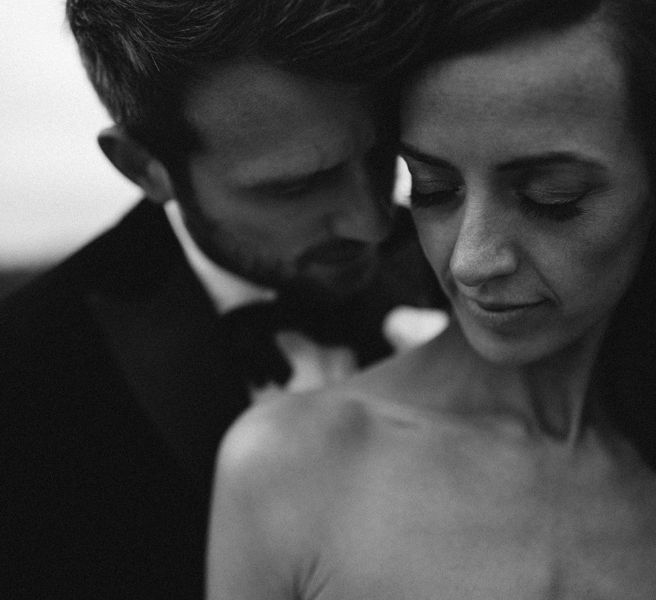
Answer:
(516, 164)
(549, 159)
(412, 152)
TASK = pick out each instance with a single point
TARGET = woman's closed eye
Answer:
(435, 195)
(558, 204)
(552, 203)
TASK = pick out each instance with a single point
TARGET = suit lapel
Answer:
(163, 341)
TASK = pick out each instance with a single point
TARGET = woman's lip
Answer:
(502, 306)
(499, 313)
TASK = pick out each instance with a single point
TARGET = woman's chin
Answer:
(514, 351)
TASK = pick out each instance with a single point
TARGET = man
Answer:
(265, 151)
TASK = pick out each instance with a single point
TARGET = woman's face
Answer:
(530, 191)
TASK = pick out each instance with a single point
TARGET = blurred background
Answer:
(57, 190)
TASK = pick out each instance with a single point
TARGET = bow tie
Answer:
(247, 334)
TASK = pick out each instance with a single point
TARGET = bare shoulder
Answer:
(289, 440)
(280, 469)
(294, 430)
(298, 449)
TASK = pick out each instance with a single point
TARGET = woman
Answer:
(500, 460)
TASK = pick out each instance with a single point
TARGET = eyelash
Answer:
(303, 187)
(293, 190)
(563, 211)
(559, 212)
(432, 199)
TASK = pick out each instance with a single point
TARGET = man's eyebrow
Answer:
(285, 180)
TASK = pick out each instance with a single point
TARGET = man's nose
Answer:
(362, 212)
(485, 245)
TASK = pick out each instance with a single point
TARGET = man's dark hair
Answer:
(143, 56)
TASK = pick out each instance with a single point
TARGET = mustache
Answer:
(335, 252)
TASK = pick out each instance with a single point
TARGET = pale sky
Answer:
(57, 190)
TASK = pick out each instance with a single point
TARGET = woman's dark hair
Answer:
(626, 368)
(144, 56)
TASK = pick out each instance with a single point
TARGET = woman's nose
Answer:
(485, 246)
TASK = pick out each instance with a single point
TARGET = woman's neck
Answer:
(552, 396)
(559, 388)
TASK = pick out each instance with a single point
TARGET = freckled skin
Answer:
(463, 469)
(480, 111)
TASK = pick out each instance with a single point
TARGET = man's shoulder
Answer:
(46, 308)
(49, 326)
(115, 261)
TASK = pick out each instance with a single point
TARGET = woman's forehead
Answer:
(549, 92)
(572, 70)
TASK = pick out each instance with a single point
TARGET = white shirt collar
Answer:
(226, 290)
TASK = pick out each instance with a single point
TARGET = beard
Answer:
(306, 274)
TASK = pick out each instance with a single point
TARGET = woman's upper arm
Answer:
(251, 539)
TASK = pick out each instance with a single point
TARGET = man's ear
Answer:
(137, 164)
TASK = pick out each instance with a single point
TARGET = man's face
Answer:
(287, 185)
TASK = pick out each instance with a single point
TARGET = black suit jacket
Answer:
(112, 402)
